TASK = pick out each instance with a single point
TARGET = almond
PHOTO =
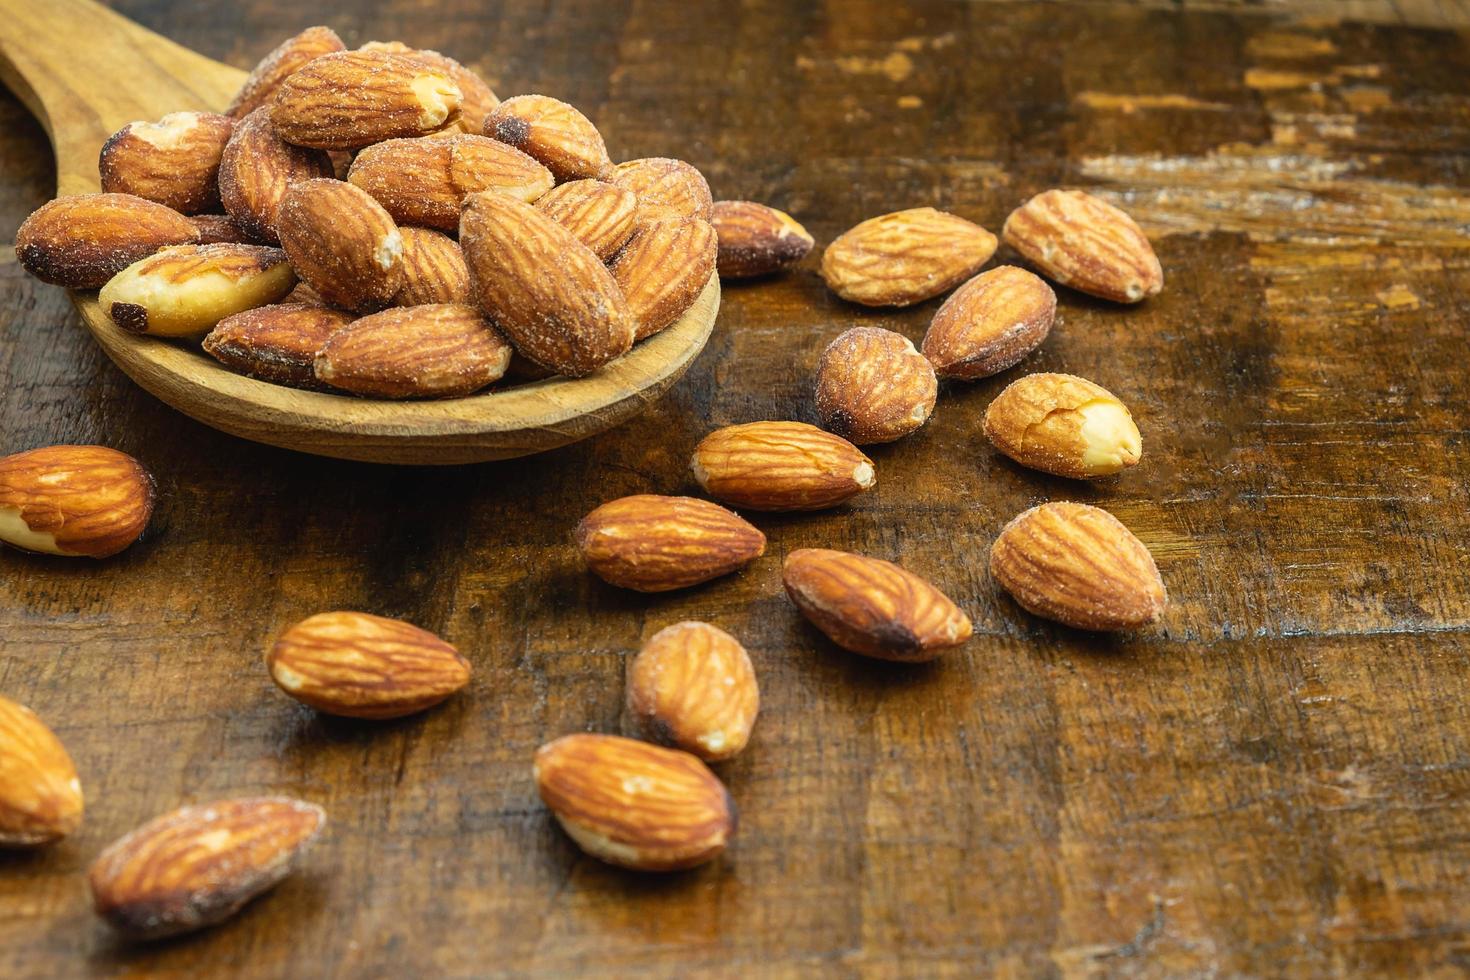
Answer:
(598, 213)
(40, 795)
(663, 268)
(185, 290)
(552, 132)
(654, 544)
(522, 368)
(873, 607)
(665, 186)
(305, 294)
(444, 350)
(81, 242)
(692, 687)
(990, 323)
(554, 299)
(215, 229)
(780, 466)
(635, 805)
(756, 240)
(361, 666)
(1084, 242)
(292, 54)
(476, 99)
(174, 161)
(1080, 566)
(434, 270)
(276, 343)
(257, 169)
(353, 99)
(199, 865)
(342, 243)
(73, 500)
(1062, 424)
(906, 257)
(872, 386)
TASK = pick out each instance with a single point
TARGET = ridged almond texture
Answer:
(600, 214)
(476, 99)
(633, 804)
(81, 242)
(653, 543)
(276, 67)
(342, 243)
(1084, 242)
(990, 323)
(757, 240)
(216, 229)
(256, 170)
(199, 865)
(174, 161)
(74, 500)
(553, 298)
(905, 257)
(666, 186)
(692, 686)
(276, 343)
(441, 350)
(425, 181)
(1063, 424)
(434, 270)
(40, 795)
(780, 466)
(1080, 566)
(553, 132)
(353, 99)
(663, 268)
(873, 607)
(185, 290)
(873, 386)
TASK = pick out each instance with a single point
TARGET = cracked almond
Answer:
(666, 186)
(40, 795)
(663, 268)
(654, 543)
(185, 290)
(599, 214)
(1065, 425)
(873, 386)
(906, 257)
(74, 500)
(553, 132)
(342, 243)
(276, 343)
(257, 168)
(1084, 242)
(352, 99)
(780, 466)
(291, 55)
(692, 686)
(989, 324)
(757, 240)
(174, 161)
(82, 241)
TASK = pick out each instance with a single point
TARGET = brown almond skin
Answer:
(82, 241)
(757, 240)
(40, 795)
(342, 243)
(663, 268)
(600, 214)
(84, 500)
(425, 181)
(434, 270)
(174, 161)
(292, 54)
(989, 324)
(635, 805)
(654, 543)
(199, 865)
(780, 466)
(1080, 566)
(276, 343)
(351, 99)
(873, 386)
(476, 98)
(1041, 421)
(218, 229)
(257, 168)
(663, 186)
(692, 686)
(443, 350)
(1086, 243)
(553, 132)
(905, 257)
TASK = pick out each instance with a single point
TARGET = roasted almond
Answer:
(1080, 566)
(353, 99)
(654, 544)
(780, 466)
(1062, 424)
(1084, 242)
(990, 323)
(635, 805)
(906, 257)
(552, 132)
(425, 181)
(73, 500)
(692, 687)
(216, 229)
(598, 213)
(872, 386)
(81, 242)
(174, 161)
(444, 350)
(434, 270)
(663, 268)
(476, 99)
(276, 343)
(256, 170)
(40, 795)
(757, 240)
(871, 606)
(199, 865)
(274, 68)
(185, 290)
(663, 186)
(342, 243)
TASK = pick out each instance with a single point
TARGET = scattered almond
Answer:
(599, 214)
(73, 500)
(654, 544)
(990, 323)
(353, 99)
(663, 268)
(434, 270)
(183, 291)
(552, 132)
(905, 257)
(476, 98)
(780, 466)
(276, 343)
(1084, 242)
(81, 242)
(872, 386)
(1062, 424)
(665, 186)
(342, 243)
(40, 795)
(443, 350)
(756, 240)
(256, 170)
(174, 161)
(692, 686)
(292, 54)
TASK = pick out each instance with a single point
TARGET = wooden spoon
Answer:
(86, 72)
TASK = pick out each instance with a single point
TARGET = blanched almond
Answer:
(185, 290)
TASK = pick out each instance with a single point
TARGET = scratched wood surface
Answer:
(1274, 782)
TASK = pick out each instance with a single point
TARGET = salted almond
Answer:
(256, 170)
(1080, 566)
(598, 213)
(780, 466)
(990, 323)
(872, 386)
(174, 161)
(185, 290)
(425, 181)
(342, 243)
(654, 544)
(553, 132)
(757, 240)
(906, 257)
(74, 500)
(663, 268)
(1084, 242)
(353, 99)
(434, 270)
(692, 687)
(292, 54)
(871, 606)
(276, 343)
(663, 186)
(476, 99)
(1063, 424)
(81, 242)
(217, 229)
(444, 350)
(40, 795)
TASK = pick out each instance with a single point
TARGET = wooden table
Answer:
(1274, 782)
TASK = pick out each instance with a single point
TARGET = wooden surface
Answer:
(1272, 783)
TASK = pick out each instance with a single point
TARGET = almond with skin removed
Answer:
(552, 132)
(74, 500)
(692, 687)
(342, 243)
(476, 99)
(257, 169)
(756, 240)
(292, 54)
(872, 386)
(215, 229)
(444, 350)
(663, 268)
(81, 242)
(40, 795)
(600, 214)
(654, 544)
(434, 270)
(554, 299)
(635, 805)
(780, 466)
(1062, 424)
(199, 865)
(873, 607)
(1080, 566)
(1084, 242)
(353, 99)
(185, 290)
(990, 323)
(361, 666)
(276, 343)
(174, 161)
(666, 186)
(906, 257)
